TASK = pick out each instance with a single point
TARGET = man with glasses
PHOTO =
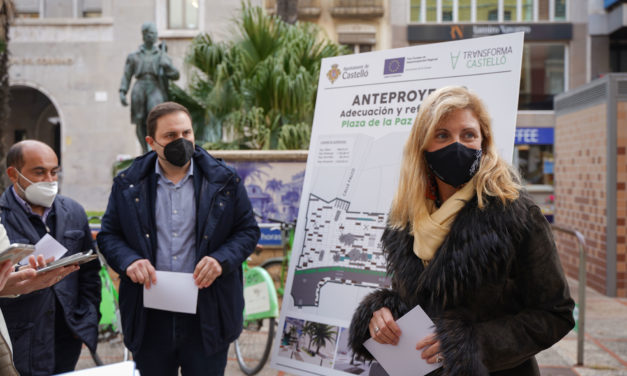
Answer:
(48, 327)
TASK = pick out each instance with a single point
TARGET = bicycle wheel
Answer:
(252, 348)
(274, 267)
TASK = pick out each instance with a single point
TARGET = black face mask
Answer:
(178, 152)
(454, 164)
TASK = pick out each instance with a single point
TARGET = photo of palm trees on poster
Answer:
(309, 342)
(347, 361)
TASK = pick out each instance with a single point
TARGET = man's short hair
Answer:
(159, 111)
(15, 156)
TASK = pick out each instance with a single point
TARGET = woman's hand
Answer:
(383, 328)
(431, 346)
(27, 280)
(5, 271)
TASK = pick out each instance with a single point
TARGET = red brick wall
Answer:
(621, 200)
(580, 186)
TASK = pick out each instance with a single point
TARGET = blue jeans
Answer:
(174, 340)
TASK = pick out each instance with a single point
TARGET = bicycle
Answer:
(277, 267)
(109, 326)
(260, 313)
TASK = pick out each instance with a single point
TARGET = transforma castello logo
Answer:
(333, 73)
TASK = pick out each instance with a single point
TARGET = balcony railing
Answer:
(357, 8)
(306, 8)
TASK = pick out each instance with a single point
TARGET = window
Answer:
(510, 8)
(464, 10)
(432, 10)
(183, 14)
(560, 10)
(180, 18)
(358, 48)
(58, 8)
(535, 163)
(447, 10)
(542, 76)
(543, 10)
(28, 8)
(487, 10)
(618, 55)
(414, 11)
(527, 10)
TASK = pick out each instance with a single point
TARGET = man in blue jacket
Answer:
(178, 209)
(48, 327)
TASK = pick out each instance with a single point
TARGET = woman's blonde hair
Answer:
(494, 178)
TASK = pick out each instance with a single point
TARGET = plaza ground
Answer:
(605, 347)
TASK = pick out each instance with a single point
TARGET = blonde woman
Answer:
(470, 247)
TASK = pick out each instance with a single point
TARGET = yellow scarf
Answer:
(429, 233)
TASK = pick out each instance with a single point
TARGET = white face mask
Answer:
(41, 193)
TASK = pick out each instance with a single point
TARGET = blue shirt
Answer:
(175, 217)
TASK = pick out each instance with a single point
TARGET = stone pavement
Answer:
(605, 347)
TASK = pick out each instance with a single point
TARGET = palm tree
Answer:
(308, 329)
(274, 185)
(321, 333)
(7, 12)
(260, 88)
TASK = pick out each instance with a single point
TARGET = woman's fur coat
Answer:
(495, 290)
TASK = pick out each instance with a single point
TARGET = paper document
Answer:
(16, 252)
(173, 291)
(403, 359)
(49, 247)
(118, 369)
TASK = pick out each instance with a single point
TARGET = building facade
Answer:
(67, 59)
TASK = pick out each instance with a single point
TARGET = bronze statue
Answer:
(152, 68)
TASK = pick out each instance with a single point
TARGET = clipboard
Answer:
(75, 259)
(16, 252)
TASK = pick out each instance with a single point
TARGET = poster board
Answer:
(365, 107)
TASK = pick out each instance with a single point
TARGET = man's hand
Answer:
(141, 271)
(5, 272)
(207, 270)
(26, 280)
(123, 99)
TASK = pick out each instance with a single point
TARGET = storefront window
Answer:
(535, 163)
(533, 157)
(183, 14)
(618, 55)
(542, 76)
(487, 10)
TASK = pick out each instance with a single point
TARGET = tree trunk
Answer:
(287, 10)
(7, 10)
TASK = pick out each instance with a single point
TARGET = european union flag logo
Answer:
(394, 66)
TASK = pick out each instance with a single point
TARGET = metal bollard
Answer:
(581, 288)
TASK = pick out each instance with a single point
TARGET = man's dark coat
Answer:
(225, 230)
(495, 290)
(30, 318)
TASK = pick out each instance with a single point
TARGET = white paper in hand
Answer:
(173, 291)
(48, 247)
(403, 359)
